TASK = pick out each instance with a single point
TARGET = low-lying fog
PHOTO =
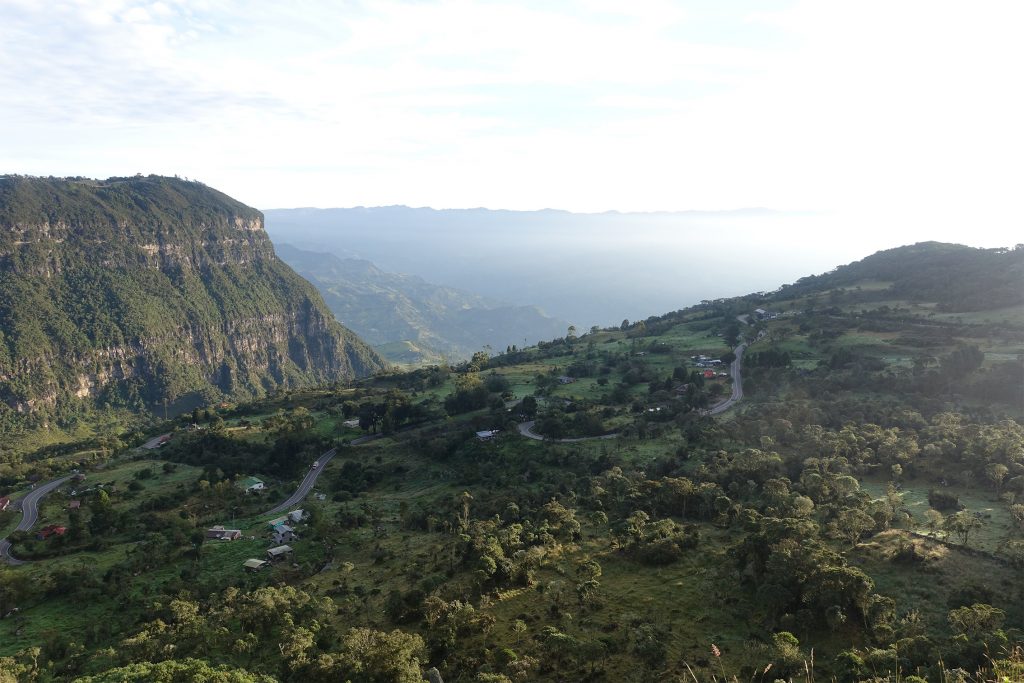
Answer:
(591, 269)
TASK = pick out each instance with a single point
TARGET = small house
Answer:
(279, 553)
(219, 533)
(255, 565)
(487, 435)
(78, 477)
(353, 423)
(296, 516)
(5, 502)
(52, 530)
(565, 379)
(283, 534)
(74, 505)
(709, 374)
(251, 485)
(277, 522)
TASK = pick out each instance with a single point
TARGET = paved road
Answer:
(154, 442)
(310, 478)
(29, 506)
(737, 384)
(526, 429)
(306, 485)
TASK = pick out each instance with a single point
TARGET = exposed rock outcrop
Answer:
(134, 291)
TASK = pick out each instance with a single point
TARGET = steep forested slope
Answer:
(133, 291)
(384, 308)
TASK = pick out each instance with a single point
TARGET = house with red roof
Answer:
(52, 530)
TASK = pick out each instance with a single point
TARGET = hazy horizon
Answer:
(649, 106)
(586, 268)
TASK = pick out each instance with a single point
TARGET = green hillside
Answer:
(387, 308)
(955, 277)
(571, 512)
(139, 292)
(409, 355)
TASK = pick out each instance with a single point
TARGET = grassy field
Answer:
(997, 522)
(100, 423)
(933, 584)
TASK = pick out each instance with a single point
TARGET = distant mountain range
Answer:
(136, 291)
(589, 269)
(411, 321)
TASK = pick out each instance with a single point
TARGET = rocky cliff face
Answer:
(134, 291)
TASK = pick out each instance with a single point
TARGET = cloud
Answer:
(107, 64)
(890, 109)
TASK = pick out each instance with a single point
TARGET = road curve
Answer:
(306, 485)
(737, 384)
(29, 514)
(526, 429)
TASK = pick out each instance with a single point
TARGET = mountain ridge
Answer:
(957, 277)
(133, 291)
(387, 308)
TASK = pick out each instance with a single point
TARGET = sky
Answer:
(899, 119)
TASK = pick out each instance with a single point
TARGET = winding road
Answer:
(29, 506)
(307, 482)
(306, 485)
(526, 429)
(737, 384)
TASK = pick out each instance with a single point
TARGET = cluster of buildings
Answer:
(282, 530)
